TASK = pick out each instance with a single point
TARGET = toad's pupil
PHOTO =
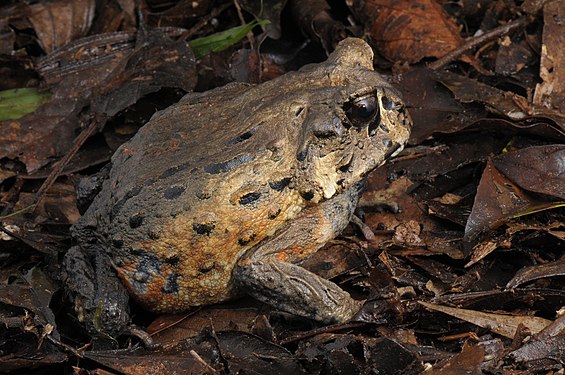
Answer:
(361, 110)
(364, 108)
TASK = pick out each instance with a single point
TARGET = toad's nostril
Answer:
(301, 155)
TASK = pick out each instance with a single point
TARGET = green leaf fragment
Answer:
(220, 41)
(17, 103)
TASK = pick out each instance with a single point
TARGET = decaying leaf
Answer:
(314, 18)
(540, 169)
(548, 346)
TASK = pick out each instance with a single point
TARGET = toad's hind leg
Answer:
(269, 274)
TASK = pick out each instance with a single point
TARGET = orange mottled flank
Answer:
(205, 262)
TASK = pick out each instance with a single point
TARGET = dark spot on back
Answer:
(203, 229)
(227, 166)
(172, 285)
(172, 170)
(250, 198)
(307, 195)
(173, 260)
(117, 243)
(173, 192)
(242, 137)
(135, 221)
(279, 185)
(345, 168)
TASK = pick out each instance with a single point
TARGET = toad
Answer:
(228, 190)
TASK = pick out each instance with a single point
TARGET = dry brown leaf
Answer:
(504, 325)
(60, 22)
(409, 30)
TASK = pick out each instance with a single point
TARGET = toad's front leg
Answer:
(268, 272)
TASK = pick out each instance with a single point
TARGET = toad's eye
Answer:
(361, 111)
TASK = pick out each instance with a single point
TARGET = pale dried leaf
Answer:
(504, 325)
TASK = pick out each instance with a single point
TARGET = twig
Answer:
(471, 43)
(207, 368)
(326, 329)
(75, 352)
(250, 36)
(95, 124)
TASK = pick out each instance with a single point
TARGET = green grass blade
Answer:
(17, 103)
(220, 41)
